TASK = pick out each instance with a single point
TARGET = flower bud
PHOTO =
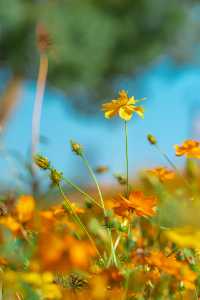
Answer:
(42, 38)
(55, 176)
(152, 140)
(42, 162)
(77, 148)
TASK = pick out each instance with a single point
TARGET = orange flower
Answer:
(190, 149)
(25, 208)
(172, 266)
(162, 173)
(167, 264)
(78, 210)
(123, 106)
(138, 203)
(80, 253)
(51, 249)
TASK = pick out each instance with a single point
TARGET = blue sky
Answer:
(172, 92)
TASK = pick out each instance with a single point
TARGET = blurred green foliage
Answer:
(94, 41)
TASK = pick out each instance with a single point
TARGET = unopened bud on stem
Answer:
(42, 162)
(77, 148)
(56, 176)
(152, 140)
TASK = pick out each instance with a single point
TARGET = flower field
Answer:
(138, 241)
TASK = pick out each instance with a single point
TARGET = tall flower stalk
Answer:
(43, 45)
(56, 179)
(78, 150)
(127, 161)
(77, 219)
(125, 107)
(153, 141)
(37, 110)
(81, 191)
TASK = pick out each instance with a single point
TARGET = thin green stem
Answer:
(95, 181)
(102, 204)
(127, 162)
(167, 158)
(114, 248)
(172, 165)
(76, 187)
(77, 219)
(113, 255)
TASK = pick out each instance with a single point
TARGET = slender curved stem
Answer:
(172, 165)
(95, 181)
(37, 111)
(76, 187)
(78, 220)
(114, 249)
(127, 162)
(113, 254)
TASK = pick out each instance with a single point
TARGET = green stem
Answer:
(127, 162)
(77, 219)
(172, 165)
(102, 204)
(95, 180)
(72, 184)
(114, 248)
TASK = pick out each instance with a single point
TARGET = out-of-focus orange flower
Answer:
(171, 266)
(167, 264)
(11, 224)
(58, 251)
(58, 211)
(3, 261)
(51, 249)
(80, 253)
(49, 217)
(187, 276)
(46, 221)
(122, 106)
(78, 210)
(98, 287)
(163, 174)
(190, 149)
(137, 203)
(113, 275)
(25, 208)
(154, 276)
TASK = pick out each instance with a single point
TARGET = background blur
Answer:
(150, 48)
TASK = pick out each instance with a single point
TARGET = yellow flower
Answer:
(162, 173)
(25, 208)
(190, 149)
(122, 106)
